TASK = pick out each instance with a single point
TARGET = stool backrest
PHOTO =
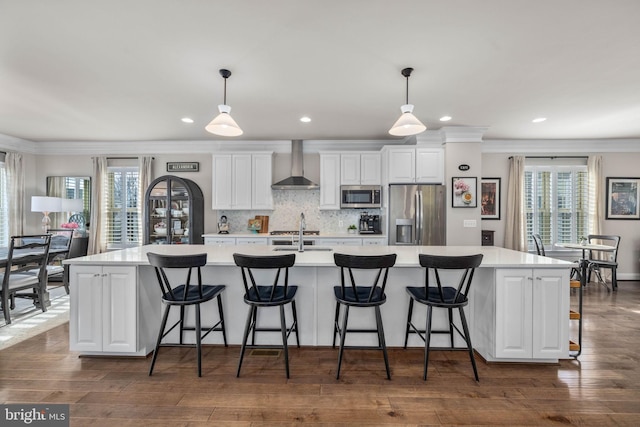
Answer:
(465, 264)
(247, 263)
(364, 262)
(537, 240)
(187, 262)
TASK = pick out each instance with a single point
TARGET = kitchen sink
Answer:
(291, 249)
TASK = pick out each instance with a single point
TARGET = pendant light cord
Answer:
(407, 90)
(225, 91)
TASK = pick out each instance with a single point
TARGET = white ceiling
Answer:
(124, 70)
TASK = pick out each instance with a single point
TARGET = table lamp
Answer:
(46, 205)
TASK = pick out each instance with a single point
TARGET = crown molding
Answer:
(11, 143)
(545, 146)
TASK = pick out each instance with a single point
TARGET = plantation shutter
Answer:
(123, 222)
(4, 206)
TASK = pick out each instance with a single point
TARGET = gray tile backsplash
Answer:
(286, 214)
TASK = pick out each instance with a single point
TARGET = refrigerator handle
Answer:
(419, 217)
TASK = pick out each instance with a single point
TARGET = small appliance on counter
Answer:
(223, 225)
(370, 224)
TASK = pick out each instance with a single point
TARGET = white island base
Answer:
(518, 309)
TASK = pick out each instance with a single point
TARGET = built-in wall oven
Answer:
(360, 196)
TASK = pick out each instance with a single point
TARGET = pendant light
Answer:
(407, 124)
(223, 124)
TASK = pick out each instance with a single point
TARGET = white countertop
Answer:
(407, 255)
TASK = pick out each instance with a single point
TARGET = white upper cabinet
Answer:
(329, 181)
(360, 169)
(370, 173)
(262, 177)
(415, 165)
(242, 181)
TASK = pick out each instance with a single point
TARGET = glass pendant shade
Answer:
(223, 124)
(407, 124)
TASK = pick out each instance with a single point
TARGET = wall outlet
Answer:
(340, 223)
(469, 223)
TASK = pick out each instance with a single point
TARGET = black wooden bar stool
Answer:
(183, 295)
(353, 295)
(277, 294)
(440, 296)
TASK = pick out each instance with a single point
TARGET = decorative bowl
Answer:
(178, 231)
(176, 212)
(161, 231)
(161, 211)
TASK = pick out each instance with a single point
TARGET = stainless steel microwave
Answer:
(360, 196)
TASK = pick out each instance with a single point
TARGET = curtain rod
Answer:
(125, 158)
(553, 157)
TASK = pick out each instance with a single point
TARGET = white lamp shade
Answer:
(223, 124)
(46, 204)
(407, 124)
(72, 205)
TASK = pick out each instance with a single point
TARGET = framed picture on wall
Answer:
(490, 198)
(622, 198)
(465, 191)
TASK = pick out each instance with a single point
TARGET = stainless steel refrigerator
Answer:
(417, 215)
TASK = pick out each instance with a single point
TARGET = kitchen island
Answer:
(518, 309)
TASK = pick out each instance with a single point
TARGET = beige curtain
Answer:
(56, 188)
(144, 179)
(15, 181)
(514, 233)
(98, 221)
(596, 194)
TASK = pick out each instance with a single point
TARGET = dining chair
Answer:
(604, 259)
(26, 254)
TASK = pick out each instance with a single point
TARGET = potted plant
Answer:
(352, 229)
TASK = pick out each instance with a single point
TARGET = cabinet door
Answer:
(119, 304)
(550, 308)
(221, 185)
(85, 322)
(429, 166)
(514, 313)
(402, 165)
(330, 181)
(241, 181)
(262, 168)
(349, 169)
(370, 165)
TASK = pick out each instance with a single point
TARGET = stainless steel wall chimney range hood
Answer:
(296, 181)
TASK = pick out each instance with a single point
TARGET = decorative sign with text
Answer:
(183, 166)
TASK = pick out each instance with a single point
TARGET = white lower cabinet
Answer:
(530, 304)
(104, 315)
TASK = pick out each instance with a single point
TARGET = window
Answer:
(122, 207)
(556, 203)
(4, 206)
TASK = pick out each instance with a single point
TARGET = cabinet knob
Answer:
(104, 274)
(96, 275)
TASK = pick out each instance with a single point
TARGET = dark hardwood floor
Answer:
(601, 388)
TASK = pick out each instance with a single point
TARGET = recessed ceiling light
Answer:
(539, 120)
(186, 120)
(305, 119)
(445, 118)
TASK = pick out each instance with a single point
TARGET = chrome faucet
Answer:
(303, 225)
